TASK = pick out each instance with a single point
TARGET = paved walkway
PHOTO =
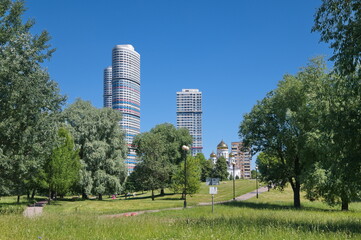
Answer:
(240, 198)
(35, 209)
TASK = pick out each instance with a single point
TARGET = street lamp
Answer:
(185, 149)
(256, 181)
(234, 181)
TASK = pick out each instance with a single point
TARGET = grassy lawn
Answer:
(9, 205)
(271, 216)
(144, 201)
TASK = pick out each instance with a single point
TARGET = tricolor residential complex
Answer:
(122, 93)
(189, 115)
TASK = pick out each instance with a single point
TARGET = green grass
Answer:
(271, 216)
(9, 205)
(144, 201)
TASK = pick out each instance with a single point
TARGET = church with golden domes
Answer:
(237, 158)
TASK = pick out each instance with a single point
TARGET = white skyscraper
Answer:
(125, 91)
(108, 87)
(189, 115)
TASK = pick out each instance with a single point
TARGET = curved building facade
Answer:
(126, 94)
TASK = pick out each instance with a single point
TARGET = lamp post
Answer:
(234, 181)
(256, 181)
(185, 149)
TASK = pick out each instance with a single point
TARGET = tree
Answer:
(62, 168)
(206, 166)
(336, 178)
(101, 146)
(280, 125)
(220, 169)
(339, 23)
(160, 152)
(173, 139)
(154, 166)
(28, 100)
(193, 177)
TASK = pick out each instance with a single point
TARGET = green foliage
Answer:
(193, 176)
(28, 100)
(283, 125)
(220, 169)
(160, 152)
(339, 141)
(339, 23)
(62, 168)
(101, 147)
(206, 166)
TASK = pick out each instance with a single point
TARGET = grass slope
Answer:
(269, 217)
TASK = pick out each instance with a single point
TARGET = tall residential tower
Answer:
(125, 93)
(189, 115)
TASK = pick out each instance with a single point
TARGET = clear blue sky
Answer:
(234, 51)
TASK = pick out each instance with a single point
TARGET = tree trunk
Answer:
(162, 192)
(33, 194)
(100, 196)
(296, 196)
(152, 195)
(28, 195)
(18, 201)
(344, 205)
(295, 184)
(84, 196)
(49, 197)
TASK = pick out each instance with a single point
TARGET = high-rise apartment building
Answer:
(189, 115)
(125, 93)
(242, 159)
(108, 87)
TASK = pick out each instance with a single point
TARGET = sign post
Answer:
(213, 190)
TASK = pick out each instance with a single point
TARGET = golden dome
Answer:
(222, 145)
(213, 155)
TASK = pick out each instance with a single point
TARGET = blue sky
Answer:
(233, 51)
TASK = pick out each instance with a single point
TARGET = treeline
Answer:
(162, 163)
(308, 129)
(42, 147)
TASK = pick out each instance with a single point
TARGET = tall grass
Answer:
(271, 216)
(9, 205)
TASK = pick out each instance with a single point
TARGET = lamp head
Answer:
(185, 148)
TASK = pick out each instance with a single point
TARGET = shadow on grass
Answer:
(341, 226)
(279, 206)
(158, 197)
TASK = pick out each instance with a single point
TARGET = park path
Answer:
(35, 210)
(239, 198)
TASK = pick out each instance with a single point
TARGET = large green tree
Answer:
(339, 23)
(101, 146)
(161, 148)
(281, 125)
(28, 100)
(154, 169)
(336, 178)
